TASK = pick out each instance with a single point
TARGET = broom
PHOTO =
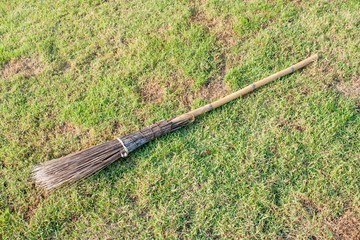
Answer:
(54, 173)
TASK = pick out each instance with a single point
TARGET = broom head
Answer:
(55, 173)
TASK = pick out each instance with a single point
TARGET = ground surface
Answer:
(280, 163)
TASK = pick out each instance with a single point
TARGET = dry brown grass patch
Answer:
(351, 88)
(63, 130)
(297, 2)
(66, 130)
(185, 92)
(222, 28)
(69, 128)
(310, 206)
(26, 66)
(34, 203)
(348, 226)
(211, 91)
(152, 92)
(319, 224)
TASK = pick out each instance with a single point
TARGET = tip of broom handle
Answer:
(304, 62)
(314, 57)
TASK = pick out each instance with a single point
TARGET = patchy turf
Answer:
(26, 67)
(350, 88)
(279, 163)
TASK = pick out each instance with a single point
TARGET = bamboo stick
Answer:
(246, 90)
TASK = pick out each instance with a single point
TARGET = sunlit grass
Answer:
(281, 162)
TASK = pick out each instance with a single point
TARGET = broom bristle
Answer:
(54, 173)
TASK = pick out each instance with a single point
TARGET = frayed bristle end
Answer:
(57, 172)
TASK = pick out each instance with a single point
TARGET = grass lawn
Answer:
(281, 163)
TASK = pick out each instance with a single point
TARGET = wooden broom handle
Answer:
(241, 92)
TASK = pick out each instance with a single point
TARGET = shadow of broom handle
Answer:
(246, 90)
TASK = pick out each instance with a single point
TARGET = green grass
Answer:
(282, 162)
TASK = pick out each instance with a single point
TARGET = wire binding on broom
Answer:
(125, 148)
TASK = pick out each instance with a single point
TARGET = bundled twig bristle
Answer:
(56, 172)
